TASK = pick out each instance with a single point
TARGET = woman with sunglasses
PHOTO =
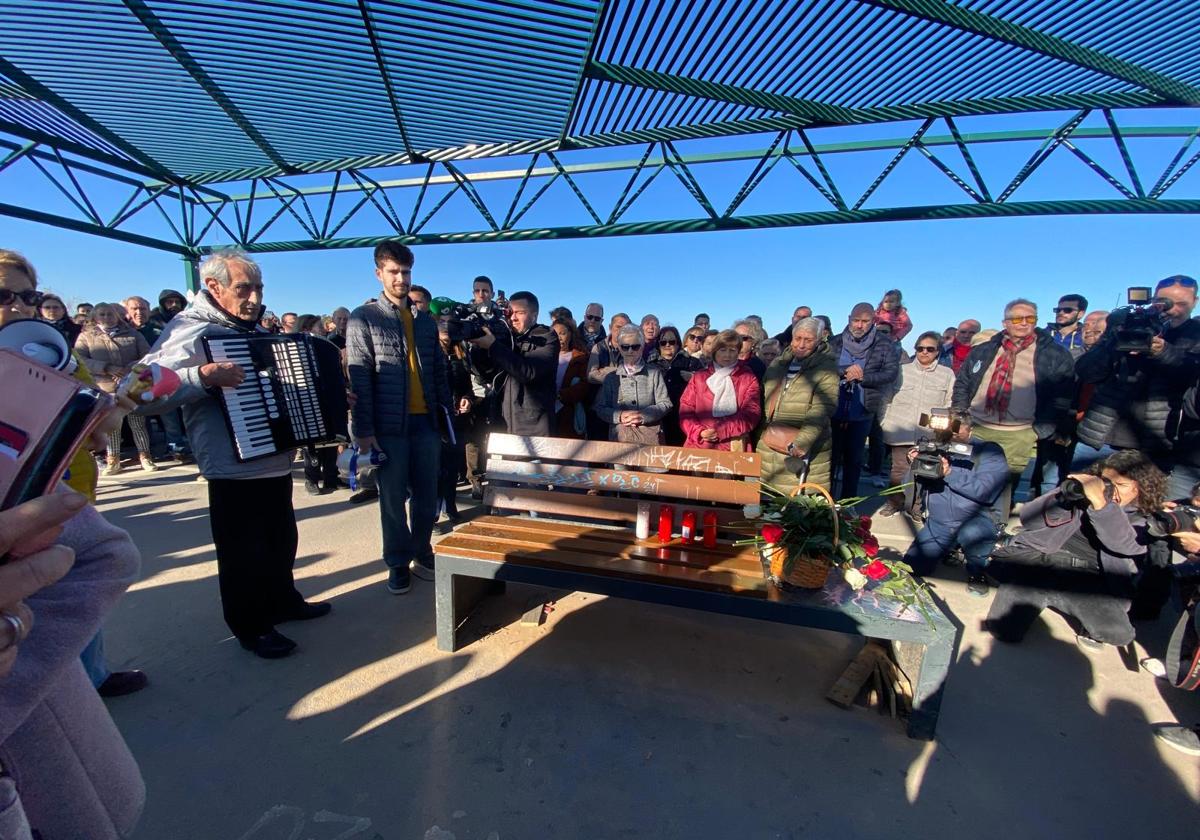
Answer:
(108, 348)
(923, 384)
(722, 404)
(693, 342)
(54, 312)
(677, 368)
(634, 398)
(891, 311)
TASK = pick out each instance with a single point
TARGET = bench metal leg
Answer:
(455, 597)
(927, 666)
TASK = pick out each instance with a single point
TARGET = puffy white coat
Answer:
(917, 390)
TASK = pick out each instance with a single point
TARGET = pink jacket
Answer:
(695, 410)
(901, 325)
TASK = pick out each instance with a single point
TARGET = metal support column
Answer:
(191, 272)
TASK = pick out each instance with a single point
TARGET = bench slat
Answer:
(744, 464)
(651, 484)
(714, 580)
(607, 508)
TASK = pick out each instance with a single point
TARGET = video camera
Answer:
(943, 424)
(467, 320)
(1137, 324)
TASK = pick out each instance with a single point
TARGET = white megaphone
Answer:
(39, 342)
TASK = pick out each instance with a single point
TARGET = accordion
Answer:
(294, 393)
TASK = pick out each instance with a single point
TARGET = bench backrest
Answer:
(603, 480)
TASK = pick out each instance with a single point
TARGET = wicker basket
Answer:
(805, 572)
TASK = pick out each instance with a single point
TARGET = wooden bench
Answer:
(574, 491)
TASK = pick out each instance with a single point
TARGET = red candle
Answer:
(688, 530)
(666, 520)
(710, 529)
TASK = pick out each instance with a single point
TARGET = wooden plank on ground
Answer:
(857, 673)
(671, 485)
(605, 508)
(745, 464)
(716, 580)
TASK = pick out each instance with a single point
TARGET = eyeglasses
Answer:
(629, 348)
(746, 338)
(1067, 309)
(670, 342)
(29, 297)
(927, 349)
(593, 317)
(692, 338)
(1022, 319)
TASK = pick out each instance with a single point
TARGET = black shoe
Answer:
(311, 488)
(399, 581)
(422, 568)
(977, 585)
(366, 494)
(270, 645)
(120, 683)
(305, 611)
(955, 558)
(477, 492)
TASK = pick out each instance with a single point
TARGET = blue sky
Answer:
(948, 270)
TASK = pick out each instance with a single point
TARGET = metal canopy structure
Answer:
(309, 124)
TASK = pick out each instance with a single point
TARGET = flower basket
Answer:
(797, 569)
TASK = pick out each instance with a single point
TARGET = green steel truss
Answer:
(445, 202)
(303, 124)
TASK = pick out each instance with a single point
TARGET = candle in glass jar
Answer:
(710, 529)
(643, 521)
(666, 519)
(687, 531)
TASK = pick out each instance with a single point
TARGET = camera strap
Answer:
(1183, 651)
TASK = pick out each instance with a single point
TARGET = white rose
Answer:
(855, 578)
(752, 511)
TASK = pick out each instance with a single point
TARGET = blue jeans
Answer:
(93, 660)
(411, 469)
(935, 541)
(1181, 481)
(173, 427)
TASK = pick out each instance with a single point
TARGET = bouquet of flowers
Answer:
(804, 536)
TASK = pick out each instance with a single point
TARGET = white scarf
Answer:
(724, 394)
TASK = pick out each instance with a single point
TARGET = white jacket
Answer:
(917, 390)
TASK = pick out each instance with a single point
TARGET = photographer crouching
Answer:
(959, 480)
(1078, 553)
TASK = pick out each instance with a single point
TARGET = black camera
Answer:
(467, 320)
(1071, 494)
(1167, 522)
(943, 425)
(1137, 324)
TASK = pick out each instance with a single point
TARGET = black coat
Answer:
(1137, 399)
(672, 372)
(530, 389)
(1054, 375)
(879, 372)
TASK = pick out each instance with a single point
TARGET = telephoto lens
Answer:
(1167, 522)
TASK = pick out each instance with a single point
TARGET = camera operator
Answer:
(530, 366)
(960, 505)
(1138, 392)
(1078, 553)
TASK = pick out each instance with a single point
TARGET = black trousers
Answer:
(254, 531)
(320, 465)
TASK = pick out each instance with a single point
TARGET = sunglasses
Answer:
(1023, 319)
(746, 338)
(29, 297)
(927, 349)
(629, 348)
(593, 317)
(670, 342)
(692, 338)
(1066, 309)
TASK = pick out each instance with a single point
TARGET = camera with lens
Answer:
(943, 424)
(1137, 324)
(1071, 493)
(1167, 522)
(467, 320)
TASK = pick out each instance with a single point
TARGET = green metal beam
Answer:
(68, 223)
(967, 20)
(385, 75)
(592, 43)
(759, 222)
(185, 60)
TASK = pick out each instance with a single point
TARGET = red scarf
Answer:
(961, 351)
(999, 390)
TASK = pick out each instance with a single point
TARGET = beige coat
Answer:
(918, 389)
(99, 350)
(808, 402)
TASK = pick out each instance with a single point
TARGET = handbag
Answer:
(777, 436)
(641, 435)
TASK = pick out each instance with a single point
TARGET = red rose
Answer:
(862, 533)
(871, 541)
(871, 549)
(865, 521)
(772, 533)
(875, 570)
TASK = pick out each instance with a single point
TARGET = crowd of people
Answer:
(1105, 405)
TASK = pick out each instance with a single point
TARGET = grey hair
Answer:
(216, 266)
(651, 317)
(813, 326)
(1008, 307)
(769, 344)
(631, 330)
(125, 302)
(756, 330)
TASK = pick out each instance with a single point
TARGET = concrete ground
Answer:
(612, 720)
